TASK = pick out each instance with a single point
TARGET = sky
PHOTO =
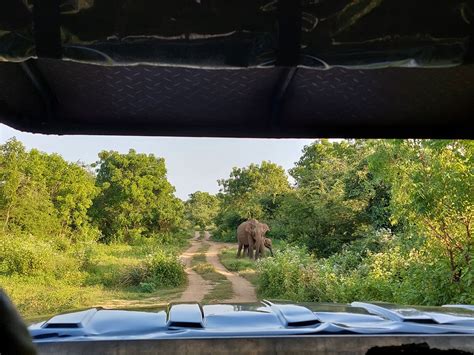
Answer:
(193, 163)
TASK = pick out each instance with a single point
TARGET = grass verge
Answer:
(99, 282)
(243, 265)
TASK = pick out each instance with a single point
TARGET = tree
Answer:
(136, 199)
(201, 209)
(254, 191)
(43, 195)
(432, 189)
(246, 188)
(329, 207)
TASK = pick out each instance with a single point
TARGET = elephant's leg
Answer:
(251, 246)
(240, 249)
(258, 249)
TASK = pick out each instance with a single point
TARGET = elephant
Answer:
(267, 243)
(252, 233)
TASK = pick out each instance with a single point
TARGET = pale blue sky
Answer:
(193, 163)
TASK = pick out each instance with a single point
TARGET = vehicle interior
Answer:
(251, 69)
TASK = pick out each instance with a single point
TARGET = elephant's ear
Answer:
(248, 228)
(265, 228)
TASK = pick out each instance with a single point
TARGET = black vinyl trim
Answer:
(47, 28)
(279, 96)
(289, 32)
(42, 88)
(461, 130)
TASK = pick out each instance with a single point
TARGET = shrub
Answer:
(365, 271)
(29, 256)
(283, 276)
(26, 256)
(135, 275)
(165, 269)
(159, 269)
(147, 287)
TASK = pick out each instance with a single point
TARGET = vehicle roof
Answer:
(63, 97)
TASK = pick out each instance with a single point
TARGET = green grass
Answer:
(98, 282)
(200, 257)
(243, 265)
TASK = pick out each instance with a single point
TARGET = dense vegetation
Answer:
(201, 209)
(58, 221)
(365, 220)
(358, 220)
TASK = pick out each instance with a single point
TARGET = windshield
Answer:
(137, 223)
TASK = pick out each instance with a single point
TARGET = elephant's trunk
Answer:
(271, 251)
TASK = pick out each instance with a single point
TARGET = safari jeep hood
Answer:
(265, 319)
(283, 328)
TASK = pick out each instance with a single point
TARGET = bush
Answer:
(284, 275)
(227, 223)
(223, 234)
(165, 269)
(384, 270)
(159, 269)
(27, 255)
(24, 257)
(147, 287)
(135, 275)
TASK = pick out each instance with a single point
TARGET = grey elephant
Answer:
(267, 243)
(252, 233)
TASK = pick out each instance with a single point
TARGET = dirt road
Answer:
(242, 290)
(197, 286)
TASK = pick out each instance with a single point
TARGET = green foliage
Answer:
(201, 209)
(165, 269)
(147, 287)
(284, 275)
(229, 259)
(251, 192)
(365, 220)
(380, 215)
(43, 195)
(379, 270)
(136, 199)
(433, 189)
(158, 270)
(41, 295)
(336, 199)
(49, 258)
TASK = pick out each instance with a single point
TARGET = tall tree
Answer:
(136, 199)
(201, 209)
(42, 194)
(433, 189)
(334, 198)
(249, 189)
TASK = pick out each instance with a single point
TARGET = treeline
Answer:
(72, 235)
(122, 197)
(370, 219)
(360, 220)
